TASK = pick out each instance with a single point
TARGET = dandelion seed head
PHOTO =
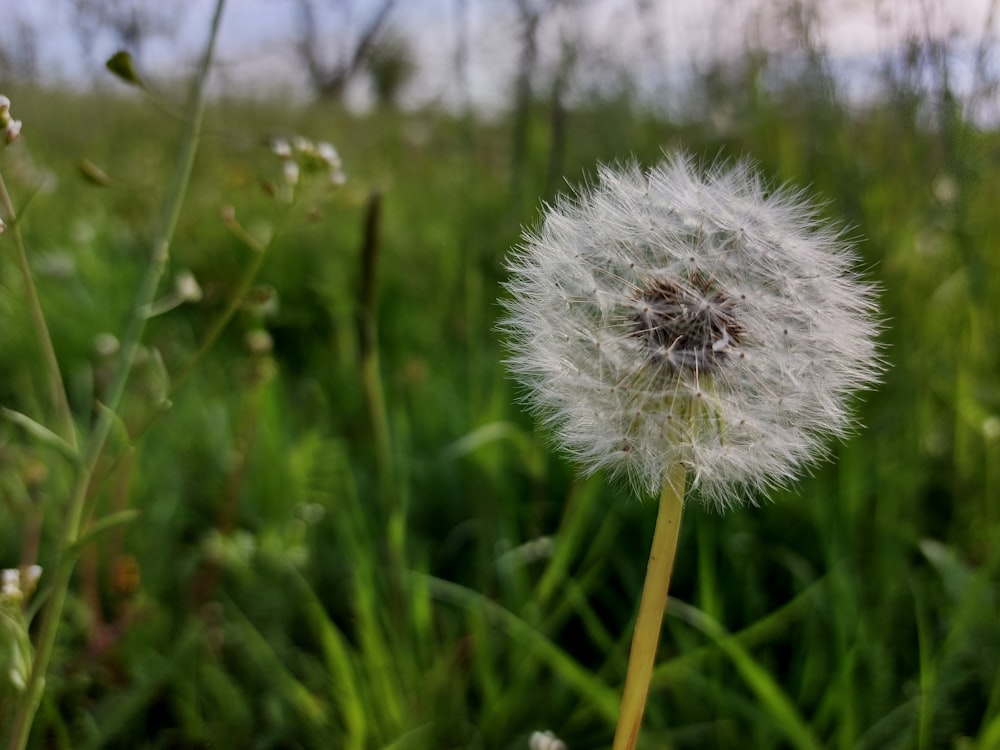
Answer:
(680, 316)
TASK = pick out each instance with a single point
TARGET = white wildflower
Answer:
(12, 131)
(303, 145)
(11, 127)
(290, 172)
(331, 158)
(337, 176)
(10, 583)
(187, 288)
(674, 317)
(545, 741)
(280, 147)
(328, 153)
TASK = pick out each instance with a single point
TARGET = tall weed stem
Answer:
(70, 533)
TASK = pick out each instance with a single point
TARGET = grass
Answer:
(280, 588)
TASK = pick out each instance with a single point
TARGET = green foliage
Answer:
(281, 588)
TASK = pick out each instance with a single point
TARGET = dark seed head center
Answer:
(686, 324)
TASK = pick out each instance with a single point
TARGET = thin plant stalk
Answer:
(393, 501)
(57, 391)
(74, 514)
(371, 377)
(650, 619)
(238, 297)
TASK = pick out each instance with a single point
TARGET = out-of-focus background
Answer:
(349, 534)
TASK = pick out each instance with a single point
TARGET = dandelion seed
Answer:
(673, 317)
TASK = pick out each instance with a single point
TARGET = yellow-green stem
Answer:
(650, 619)
(52, 613)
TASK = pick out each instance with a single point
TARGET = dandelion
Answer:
(672, 318)
(684, 327)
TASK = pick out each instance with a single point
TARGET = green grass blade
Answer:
(584, 682)
(767, 690)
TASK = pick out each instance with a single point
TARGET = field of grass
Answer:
(348, 534)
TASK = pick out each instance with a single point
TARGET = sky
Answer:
(652, 39)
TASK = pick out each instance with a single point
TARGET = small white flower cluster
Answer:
(302, 154)
(11, 127)
(545, 741)
(11, 588)
(678, 317)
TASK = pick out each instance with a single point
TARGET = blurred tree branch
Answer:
(329, 79)
(131, 22)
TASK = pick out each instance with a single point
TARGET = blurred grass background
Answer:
(294, 581)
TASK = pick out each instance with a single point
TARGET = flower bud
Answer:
(290, 172)
(186, 287)
(280, 147)
(12, 131)
(546, 740)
